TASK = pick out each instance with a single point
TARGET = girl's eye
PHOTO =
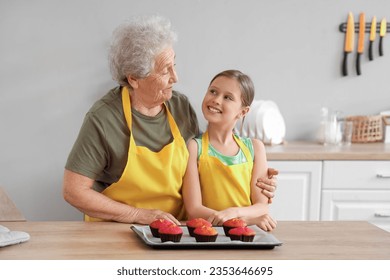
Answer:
(228, 97)
(212, 91)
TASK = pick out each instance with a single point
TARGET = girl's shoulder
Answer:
(246, 140)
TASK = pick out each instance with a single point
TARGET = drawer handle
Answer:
(383, 175)
(382, 214)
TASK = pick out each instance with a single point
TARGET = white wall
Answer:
(53, 67)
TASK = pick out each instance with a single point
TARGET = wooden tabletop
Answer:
(301, 241)
(316, 151)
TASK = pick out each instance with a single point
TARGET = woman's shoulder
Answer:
(111, 101)
(184, 115)
(178, 98)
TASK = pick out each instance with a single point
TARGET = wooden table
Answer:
(301, 241)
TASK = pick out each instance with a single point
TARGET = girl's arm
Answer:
(192, 195)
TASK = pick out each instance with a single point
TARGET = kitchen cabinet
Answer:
(354, 182)
(356, 190)
(299, 190)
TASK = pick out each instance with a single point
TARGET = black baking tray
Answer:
(262, 240)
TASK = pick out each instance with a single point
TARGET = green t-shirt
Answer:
(228, 160)
(100, 150)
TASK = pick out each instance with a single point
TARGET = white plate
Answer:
(273, 126)
(250, 118)
(270, 126)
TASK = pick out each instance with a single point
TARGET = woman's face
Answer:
(222, 103)
(156, 88)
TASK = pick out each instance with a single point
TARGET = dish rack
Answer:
(366, 128)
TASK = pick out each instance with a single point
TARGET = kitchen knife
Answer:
(372, 38)
(382, 33)
(362, 30)
(349, 36)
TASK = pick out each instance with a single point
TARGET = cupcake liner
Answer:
(205, 238)
(247, 238)
(191, 230)
(154, 232)
(170, 237)
(226, 230)
(235, 237)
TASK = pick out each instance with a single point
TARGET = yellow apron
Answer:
(224, 186)
(151, 180)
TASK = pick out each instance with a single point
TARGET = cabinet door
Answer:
(356, 175)
(347, 205)
(297, 197)
(356, 190)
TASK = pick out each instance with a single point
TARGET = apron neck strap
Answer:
(127, 111)
(205, 146)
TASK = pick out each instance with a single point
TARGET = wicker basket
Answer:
(366, 128)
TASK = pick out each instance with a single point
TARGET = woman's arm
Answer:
(192, 195)
(268, 184)
(77, 190)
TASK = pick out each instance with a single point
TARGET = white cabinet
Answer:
(356, 190)
(299, 190)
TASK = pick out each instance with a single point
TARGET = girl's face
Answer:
(222, 102)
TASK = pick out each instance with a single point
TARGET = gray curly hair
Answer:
(135, 45)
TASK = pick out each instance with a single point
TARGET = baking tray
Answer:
(262, 240)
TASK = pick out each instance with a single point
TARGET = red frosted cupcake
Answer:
(205, 234)
(170, 232)
(156, 224)
(244, 234)
(232, 223)
(195, 223)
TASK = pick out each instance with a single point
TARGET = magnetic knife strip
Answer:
(343, 27)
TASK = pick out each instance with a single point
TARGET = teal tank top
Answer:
(228, 160)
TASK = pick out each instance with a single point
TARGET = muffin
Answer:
(243, 234)
(170, 232)
(205, 234)
(195, 223)
(232, 223)
(156, 224)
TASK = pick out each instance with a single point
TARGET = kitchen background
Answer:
(53, 66)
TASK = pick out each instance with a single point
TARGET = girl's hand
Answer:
(217, 218)
(265, 222)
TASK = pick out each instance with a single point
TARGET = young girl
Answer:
(220, 181)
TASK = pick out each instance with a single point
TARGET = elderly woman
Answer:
(129, 159)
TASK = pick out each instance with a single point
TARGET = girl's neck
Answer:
(219, 135)
(222, 140)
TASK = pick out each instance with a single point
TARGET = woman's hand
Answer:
(268, 185)
(146, 216)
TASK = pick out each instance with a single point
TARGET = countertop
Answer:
(352, 240)
(316, 151)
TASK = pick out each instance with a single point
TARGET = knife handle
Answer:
(370, 51)
(358, 64)
(380, 46)
(345, 70)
